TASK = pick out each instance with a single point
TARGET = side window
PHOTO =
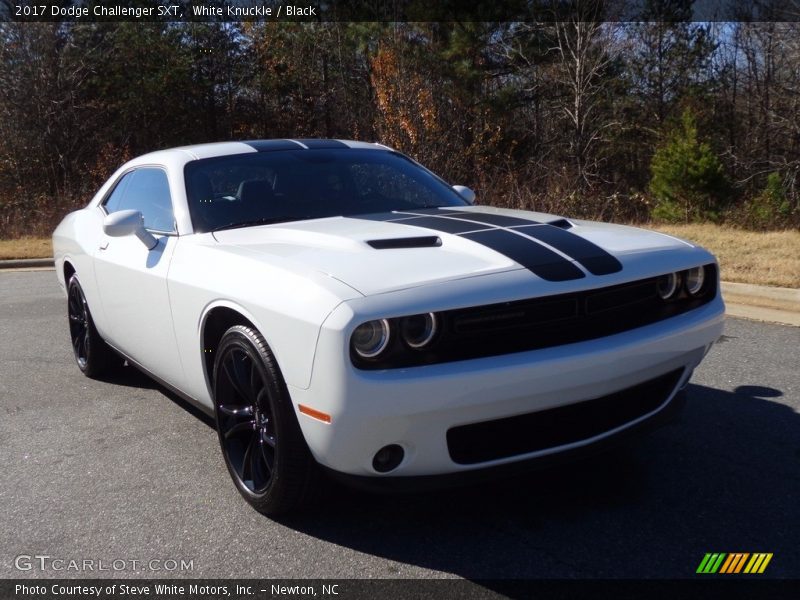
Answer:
(112, 202)
(145, 190)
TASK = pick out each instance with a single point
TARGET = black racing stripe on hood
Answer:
(443, 224)
(439, 211)
(315, 144)
(491, 219)
(596, 260)
(533, 256)
(272, 145)
(383, 216)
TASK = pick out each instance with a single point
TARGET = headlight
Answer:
(418, 330)
(667, 285)
(371, 338)
(695, 278)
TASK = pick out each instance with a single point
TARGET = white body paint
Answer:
(307, 284)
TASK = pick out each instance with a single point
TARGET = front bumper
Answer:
(416, 407)
(421, 483)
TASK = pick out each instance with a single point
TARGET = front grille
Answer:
(562, 319)
(522, 325)
(532, 432)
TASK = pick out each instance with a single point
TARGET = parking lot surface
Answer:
(123, 470)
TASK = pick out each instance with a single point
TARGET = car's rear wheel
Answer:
(261, 441)
(92, 354)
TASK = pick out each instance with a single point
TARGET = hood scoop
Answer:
(561, 224)
(428, 241)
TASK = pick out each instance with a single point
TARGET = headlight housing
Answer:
(667, 285)
(695, 278)
(383, 339)
(371, 338)
(418, 331)
(686, 284)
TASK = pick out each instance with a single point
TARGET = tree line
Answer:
(661, 119)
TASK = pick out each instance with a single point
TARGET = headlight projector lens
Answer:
(695, 278)
(667, 286)
(371, 338)
(418, 331)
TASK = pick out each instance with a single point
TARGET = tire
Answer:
(263, 447)
(93, 355)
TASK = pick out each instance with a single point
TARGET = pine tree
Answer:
(688, 180)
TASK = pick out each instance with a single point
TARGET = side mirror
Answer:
(466, 193)
(127, 222)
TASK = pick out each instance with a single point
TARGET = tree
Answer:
(585, 50)
(771, 207)
(688, 181)
(669, 56)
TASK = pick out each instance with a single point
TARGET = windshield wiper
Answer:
(253, 223)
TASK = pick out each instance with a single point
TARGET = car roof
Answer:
(200, 151)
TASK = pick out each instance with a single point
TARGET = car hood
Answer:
(391, 251)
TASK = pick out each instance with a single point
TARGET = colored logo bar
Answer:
(734, 562)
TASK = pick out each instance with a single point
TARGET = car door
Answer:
(132, 280)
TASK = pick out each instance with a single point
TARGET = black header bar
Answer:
(398, 10)
(733, 588)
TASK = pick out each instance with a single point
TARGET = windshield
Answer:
(272, 187)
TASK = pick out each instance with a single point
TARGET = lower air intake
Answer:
(532, 432)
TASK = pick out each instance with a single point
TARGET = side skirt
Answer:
(183, 395)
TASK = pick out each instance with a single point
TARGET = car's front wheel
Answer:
(261, 441)
(92, 354)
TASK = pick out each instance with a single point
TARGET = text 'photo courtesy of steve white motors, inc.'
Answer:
(194, 590)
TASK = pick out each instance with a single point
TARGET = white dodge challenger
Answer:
(336, 306)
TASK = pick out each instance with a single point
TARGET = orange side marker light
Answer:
(316, 414)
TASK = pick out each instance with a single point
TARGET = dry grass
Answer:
(26, 247)
(762, 258)
(771, 258)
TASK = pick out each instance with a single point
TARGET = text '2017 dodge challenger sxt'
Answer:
(335, 304)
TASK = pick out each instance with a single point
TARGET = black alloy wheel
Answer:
(92, 354)
(78, 313)
(261, 441)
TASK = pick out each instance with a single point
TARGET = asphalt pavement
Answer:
(122, 470)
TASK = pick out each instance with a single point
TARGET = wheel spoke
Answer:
(240, 428)
(239, 411)
(231, 366)
(74, 304)
(247, 459)
(256, 469)
(267, 438)
(85, 345)
(267, 447)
